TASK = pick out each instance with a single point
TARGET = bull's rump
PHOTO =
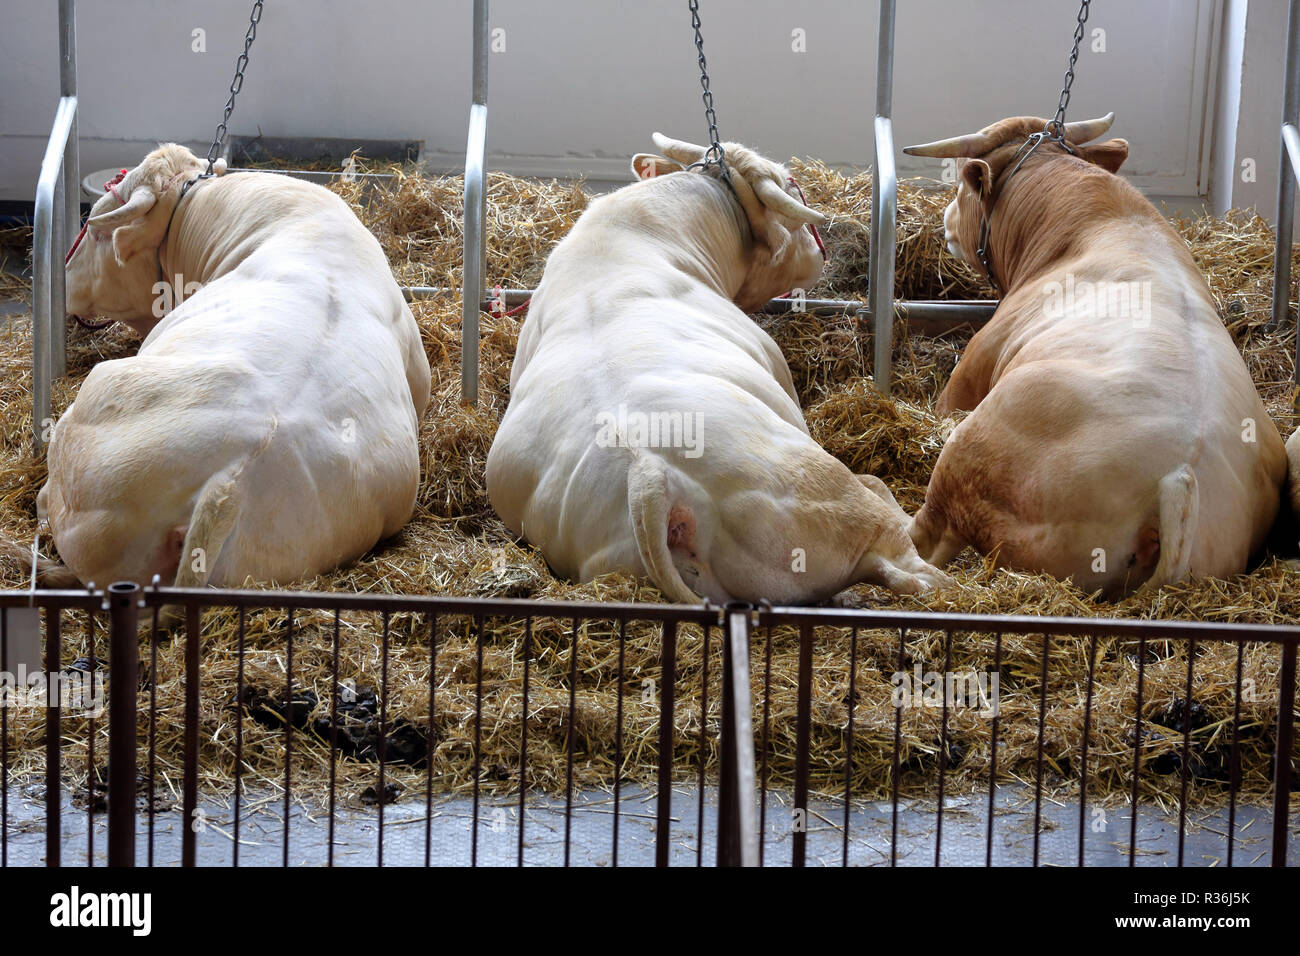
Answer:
(1059, 468)
(322, 441)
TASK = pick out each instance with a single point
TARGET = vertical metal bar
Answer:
(58, 362)
(1286, 183)
(1282, 758)
(431, 743)
(993, 750)
(1234, 762)
(1137, 752)
(288, 737)
(763, 769)
(71, 155)
(478, 735)
(896, 767)
(667, 696)
(943, 744)
(190, 781)
(124, 665)
(239, 739)
(474, 257)
(523, 743)
(1042, 727)
(1083, 757)
(703, 745)
(54, 741)
(383, 734)
(802, 743)
(334, 738)
(568, 750)
(848, 745)
(43, 278)
(4, 743)
(618, 734)
(92, 772)
(884, 201)
(153, 726)
(1187, 749)
(738, 836)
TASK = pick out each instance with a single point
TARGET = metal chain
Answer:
(1056, 128)
(714, 155)
(236, 84)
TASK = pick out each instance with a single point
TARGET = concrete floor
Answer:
(405, 822)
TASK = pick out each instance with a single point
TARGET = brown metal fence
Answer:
(740, 828)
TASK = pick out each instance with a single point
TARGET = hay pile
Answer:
(456, 545)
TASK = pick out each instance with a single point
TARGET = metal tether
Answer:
(714, 155)
(1053, 131)
(236, 85)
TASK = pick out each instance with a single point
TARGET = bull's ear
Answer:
(977, 176)
(1109, 155)
(648, 166)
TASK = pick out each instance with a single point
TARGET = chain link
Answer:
(714, 155)
(1056, 128)
(236, 84)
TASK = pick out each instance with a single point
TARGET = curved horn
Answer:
(137, 204)
(677, 149)
(774, 197)
(1085, 131)
(971, 144)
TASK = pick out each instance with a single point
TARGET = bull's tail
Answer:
(647, 499)
(49, 573)
(1179, 520)
(211, 523)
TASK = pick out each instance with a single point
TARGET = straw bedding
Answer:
(456, 545)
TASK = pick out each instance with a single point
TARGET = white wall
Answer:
(581, 83)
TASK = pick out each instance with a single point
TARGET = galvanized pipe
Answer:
(123, 676)
(474, 254)
(738, 834)
(884, 202)
(71, 170)
(1286, 180)
(1282, 768)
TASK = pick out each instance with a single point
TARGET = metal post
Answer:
(803, 743)
(71, 208)
(737, 788)
(474, 254)
(884, 203)
(1286, 177)
(123, 676)
(190, 773)
(54, 740)
(1282, 769)
(667, 703)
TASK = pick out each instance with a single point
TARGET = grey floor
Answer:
(591, 832)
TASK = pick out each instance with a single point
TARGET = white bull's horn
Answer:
(1085, 131)
(774, 197)
(676, 149)
(971, 144)
(137, 204)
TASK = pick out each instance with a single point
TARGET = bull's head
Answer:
(984, 156)
(112, 271)
(785, 254)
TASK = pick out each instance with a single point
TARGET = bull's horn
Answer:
(971, 144)
(774, 197)
(137, 204)
(677, 149)
(1085, 131)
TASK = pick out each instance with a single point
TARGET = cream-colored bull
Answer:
(266, 428)
(653, 428)
(1116, 436)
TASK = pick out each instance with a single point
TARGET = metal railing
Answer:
(57, 217)
(474, 256)
(1286, 180)
(745, 834)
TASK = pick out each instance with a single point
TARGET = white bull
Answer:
(266, 429)
(653, 428)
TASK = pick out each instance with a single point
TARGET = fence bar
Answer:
(803, 743)
(1282, 755)
(738, 787)
(123, 676)
(884, 202)
(190, 777)
(1286, 178)
(474, 258)
(54, 740)
(668, 680)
